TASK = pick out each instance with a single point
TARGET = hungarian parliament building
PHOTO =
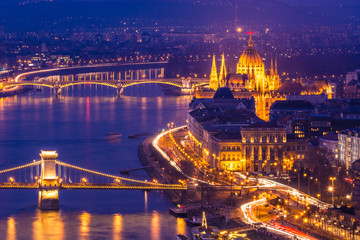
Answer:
(229, 121)
(253, 80)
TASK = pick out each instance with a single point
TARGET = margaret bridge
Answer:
(115, 76)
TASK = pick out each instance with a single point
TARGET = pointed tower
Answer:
(214, 80)
(250, 44)
(272, 68)
(222, 76)
(204, 221)
(276, 70)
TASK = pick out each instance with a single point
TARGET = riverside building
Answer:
(349, 146)
(253, 80)
(226, 132)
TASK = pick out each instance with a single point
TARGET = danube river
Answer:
(76, 125)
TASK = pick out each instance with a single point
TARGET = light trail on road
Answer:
(155, 143)
(248, 216)
(267, 183)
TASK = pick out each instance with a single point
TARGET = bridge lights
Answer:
(118, 181)
(84, 180)
(11, 179)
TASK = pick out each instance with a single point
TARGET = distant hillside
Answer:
(96, 13)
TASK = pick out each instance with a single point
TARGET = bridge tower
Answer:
(186, 88)
(48, 183)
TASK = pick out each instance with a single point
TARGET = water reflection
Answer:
(11, 229)
(181, 226)
(48, 225)
(155, 226)
(146, 201)
(87, 109)
(118, 222)
(84, 225)
(40, 120)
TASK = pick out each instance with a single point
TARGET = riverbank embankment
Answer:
(161, 169)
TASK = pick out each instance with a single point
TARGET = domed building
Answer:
(252, 80)
(251, 64)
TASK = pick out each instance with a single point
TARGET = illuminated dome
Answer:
(250, 57)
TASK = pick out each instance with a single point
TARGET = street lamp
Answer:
(84, 180)
(332, 189)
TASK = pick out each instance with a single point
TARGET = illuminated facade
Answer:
(257, 147)
(214, 80)
(227, 134)
(349, 146)
(251, 64)
(251, 80)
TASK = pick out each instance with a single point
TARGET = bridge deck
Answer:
(90, 186)
(19, 186)
(120, 187)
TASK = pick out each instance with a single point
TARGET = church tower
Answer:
(214, 80)
(222, 76)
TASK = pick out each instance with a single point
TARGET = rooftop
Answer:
(223, 92)
(330, 137)
(292, 105)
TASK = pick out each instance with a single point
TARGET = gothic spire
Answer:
(213, 84)
(222, 77)
(250, 44)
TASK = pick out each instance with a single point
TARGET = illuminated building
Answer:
(253, 80)
(356, 190)
(214, 80)
(251, 64)
(349, 146)
(223, 73)
(352, 89)
(227, 133)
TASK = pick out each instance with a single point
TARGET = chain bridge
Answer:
(50, 175)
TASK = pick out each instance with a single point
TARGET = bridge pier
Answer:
(49, 199)
(119, 91)
(57, 91)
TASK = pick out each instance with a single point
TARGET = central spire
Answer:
(250, 44)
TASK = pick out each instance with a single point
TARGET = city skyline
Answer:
(179, 119)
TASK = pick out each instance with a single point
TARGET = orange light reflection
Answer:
(11, 229)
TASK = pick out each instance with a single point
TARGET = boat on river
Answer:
(113, 136)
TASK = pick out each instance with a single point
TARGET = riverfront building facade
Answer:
(349, 146)
(253, 80)
(227, 133)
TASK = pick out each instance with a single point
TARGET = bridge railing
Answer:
(74, 174)
(68, 174)
(28, 173)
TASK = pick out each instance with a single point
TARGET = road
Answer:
(248, 217)
(261, 183)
